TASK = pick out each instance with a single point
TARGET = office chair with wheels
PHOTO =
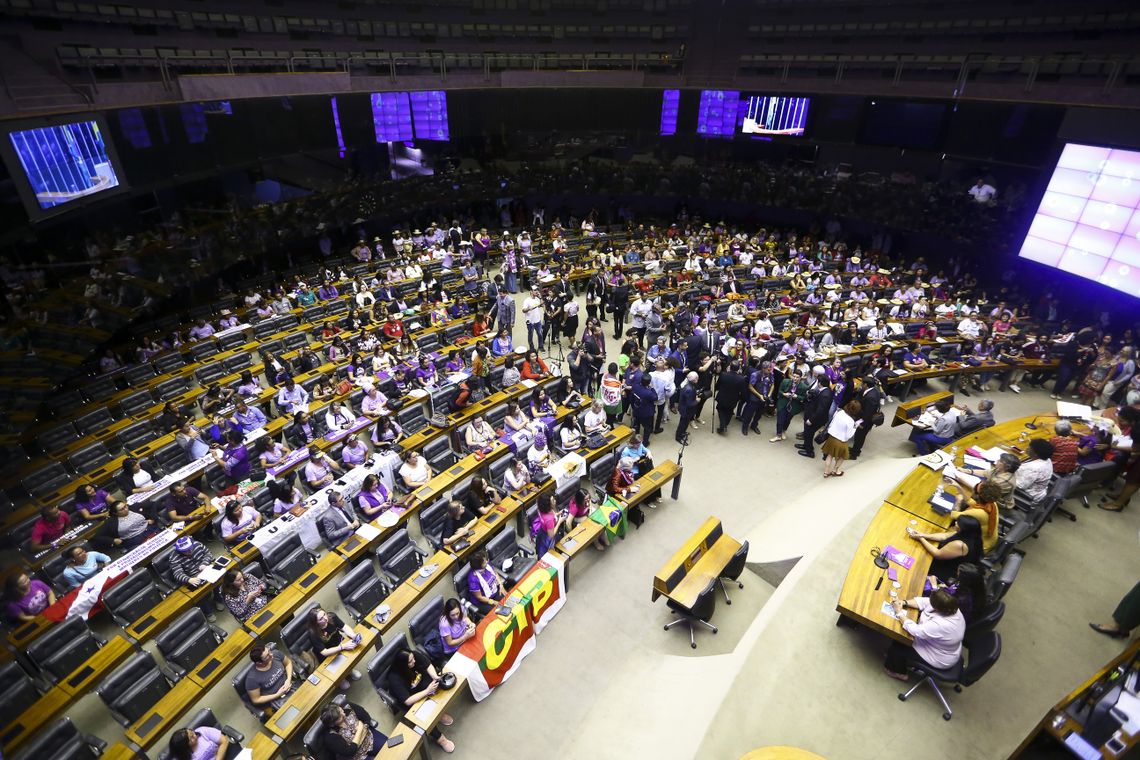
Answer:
(699, 614)
(1000, 582)
(733, 570)
(984, 650)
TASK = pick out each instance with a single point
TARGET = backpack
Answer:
(433, 646)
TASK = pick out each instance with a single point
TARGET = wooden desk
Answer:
(490, 523)
(674, 570)
(859, 600)
(405, 596)
(652, 481)
(705, 570)
(335, 667)
(167, 611)
(908, 410)
(161, 717)
(120, 751)
(109, 656)
(227, 654)
(413, 743)
(584, 534)
(26, 724)
(297, 714)
(264, 746)
(1066, 722)
(419, 716)
(445, 480)
(295, 594)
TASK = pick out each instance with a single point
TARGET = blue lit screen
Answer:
(65, 162)
(392, 116)
(717, 114)
(429, 115)
(670, 102)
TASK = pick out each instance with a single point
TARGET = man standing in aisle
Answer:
(816, 410)
(534, 312)
(870, 402)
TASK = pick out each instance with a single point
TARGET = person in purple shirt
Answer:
(327, 292)
(25, 598)
(234, 459)
(373, 498)
(425, 373)
(353, 452)
(484, 584)
(91, 503)
(454, 626)
(202, 743)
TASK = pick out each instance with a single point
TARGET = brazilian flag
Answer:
(611, 515)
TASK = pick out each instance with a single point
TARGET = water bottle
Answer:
(953, 452)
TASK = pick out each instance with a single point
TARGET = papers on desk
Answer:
(987, 455)
(976, 463)
(899, 371)
(936, 460)
(1067, 409)
(889, 611)
(902, 559)
(368, 531)
(942, 503)
(245, 754)
(425, 709)
(528, 383)
(940, 339)
(926, 419)
(418, 393)
(213, 573)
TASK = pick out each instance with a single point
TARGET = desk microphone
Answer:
(1032, 425)
(880, 559)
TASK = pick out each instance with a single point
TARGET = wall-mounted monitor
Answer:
(775, 115)
(61, 163)
(1088, 222)
(670, 107)
(716, 116)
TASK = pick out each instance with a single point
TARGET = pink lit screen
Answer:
(1088, 222)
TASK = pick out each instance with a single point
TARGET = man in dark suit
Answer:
(817, 409)
(687, 405)
(871, 401)
(729, 387)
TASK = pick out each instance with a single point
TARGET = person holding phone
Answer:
(330, 636)
(413, 679)
(347, 732)
(454, 626)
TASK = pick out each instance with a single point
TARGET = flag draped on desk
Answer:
(611, 514)
(501, 643)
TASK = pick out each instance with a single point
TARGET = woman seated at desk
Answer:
(123, 529)
(415, 471)
(968, 586)
(937, 635)
(286, 497)
(270, 452)
(539, 456)
(516, 419)
(481, 496)
(373, 498)
(457, 520)
(454, 626)
(240, 519)
(517, 476)
(1002, 474)
(983, 507)
(541, 404)
(594, 420)
(479, 434)
(347, 733)
(511, 374)
(502, 344)
(387, 432)
(413, 679)
(244, 595)
(952, 548)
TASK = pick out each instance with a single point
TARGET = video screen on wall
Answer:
(775, 115)
(62, 164)
(1088, 221)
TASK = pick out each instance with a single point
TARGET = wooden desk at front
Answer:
(859, 601)
(408, 593)
(700, 560)
(296, 714)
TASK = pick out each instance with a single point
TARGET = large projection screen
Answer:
(1088, 222)
(61, 163)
